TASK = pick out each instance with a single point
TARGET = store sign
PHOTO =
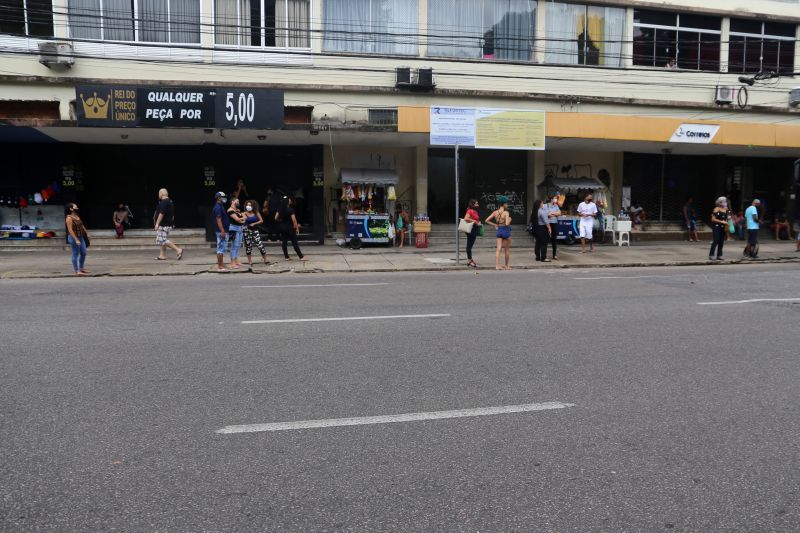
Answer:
(178, 107)
(694, 133)
(502, 129)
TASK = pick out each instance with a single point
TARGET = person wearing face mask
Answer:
(553, 212)
(719, 223)
(251, 234)
(77, 237)
(237, 221)
(587, 210)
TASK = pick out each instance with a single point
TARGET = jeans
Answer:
(290, 235)
(78, 251)
(236, 240)
(719, 240)
(471, 236)
(542, 238)
(554, 237)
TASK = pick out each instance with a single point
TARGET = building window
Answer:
(584, 35)
(757, 46)
(371, 26)
(489, 29)
(33, 18)
(159, 21)
(382, 117)
(264, 23)
(676, 40)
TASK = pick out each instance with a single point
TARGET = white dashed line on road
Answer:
(753, 301)
(342, 318)
(313, 285)
(391, 419)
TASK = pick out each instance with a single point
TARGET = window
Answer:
(676, 40)
(491, 29)
(371, 26)
(33, 18)
(382, 117)
(160, 21)
(757, 46)
(584, 35)
(263, 23)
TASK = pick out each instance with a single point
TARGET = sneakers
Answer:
(710, 257)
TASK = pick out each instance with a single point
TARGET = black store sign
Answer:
(178, 107)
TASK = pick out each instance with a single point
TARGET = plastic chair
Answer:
(611, 221)
(622, 228)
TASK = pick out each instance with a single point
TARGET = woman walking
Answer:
(472, 217)
(719, 225)
(77, 237)
(541, 231)
(289, 227)
(237, 223)
(251, 234)
(501, 220)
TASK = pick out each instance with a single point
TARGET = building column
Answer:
(617, 171)
(421, 188)
(797, 51)
(315, 26)
(535, 177)
(60, 20)
(422, 27)
(627, 39)
(539, 43)
(207, 24)
(723, 45)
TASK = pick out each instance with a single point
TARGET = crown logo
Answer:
(95, 107)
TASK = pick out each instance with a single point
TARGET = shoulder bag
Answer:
(464, 226)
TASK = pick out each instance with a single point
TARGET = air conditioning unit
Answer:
(794, 96)
(725, 95)
(415, 79)
(53, 53)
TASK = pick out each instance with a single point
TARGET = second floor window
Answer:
(584, 35)
(676, 40)
(281, 23)
(371, 26)
(489, 29)
(159, 21)
(33, 18)
(757, 46)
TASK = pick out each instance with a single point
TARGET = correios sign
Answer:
(694, 133)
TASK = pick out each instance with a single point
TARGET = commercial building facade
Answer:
(646, 98)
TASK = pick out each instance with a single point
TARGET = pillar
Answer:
(627, 39)
(315, 26)
(422, 27)
(539, 43)
(60, 20)
(535, 177)
(723, 45)
(422, 179)
(617, 171)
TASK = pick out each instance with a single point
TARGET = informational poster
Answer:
(452, 126)
(509, 129)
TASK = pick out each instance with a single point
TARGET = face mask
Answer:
(249, 208)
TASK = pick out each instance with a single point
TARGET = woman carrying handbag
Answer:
(471, 221)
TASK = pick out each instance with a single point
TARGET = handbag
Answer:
(464, 226)
(731, 227)
(86, 240)
(480, 230)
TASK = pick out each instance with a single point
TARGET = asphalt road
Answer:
(685, 416)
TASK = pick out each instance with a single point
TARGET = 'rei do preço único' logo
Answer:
(95, 107)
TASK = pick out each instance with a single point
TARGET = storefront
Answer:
(369, 196)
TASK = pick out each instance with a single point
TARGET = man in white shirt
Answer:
(587, 211)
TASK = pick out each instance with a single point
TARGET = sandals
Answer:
(180, 255)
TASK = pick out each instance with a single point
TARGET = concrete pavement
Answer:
(331, 258)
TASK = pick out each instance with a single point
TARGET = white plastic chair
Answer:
(622, 228)
(611, 221)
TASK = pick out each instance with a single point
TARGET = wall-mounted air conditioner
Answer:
(794, 96)
(415, 79)
(725, 95)
(53, 53)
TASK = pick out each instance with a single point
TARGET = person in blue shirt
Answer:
(753, 223)
(222, 225)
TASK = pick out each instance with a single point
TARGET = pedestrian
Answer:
(541, 230)
(400, 225)
(638, 215)
(501, 220)
(289, 228)
(252, 235)
(753, 223)
(587, 210)
(240, 191)
(222, 224)
(165, 219)
(553, 212)
(77, 237)
(471, 216)
(719, 226)
(235, 230)
(689, 219)
(120, 217)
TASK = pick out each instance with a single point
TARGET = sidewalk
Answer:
(331, 258)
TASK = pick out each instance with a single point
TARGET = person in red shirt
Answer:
(472, 216)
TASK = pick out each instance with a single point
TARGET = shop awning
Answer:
(369, 175)
(576, 183)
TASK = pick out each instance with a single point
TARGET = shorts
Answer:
(692, 225)
(752, 237)
(162, 234)
(222, 243)
(503, 232)
(586, 227)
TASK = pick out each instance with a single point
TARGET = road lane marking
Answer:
(341, 318)
(312, 285)
(754, 300)
(391, 419)
(634, 277)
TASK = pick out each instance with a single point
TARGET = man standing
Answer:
(165, 219)
(221, 224)
(553, 212)
(587, 211)
(753, 222)
(690, 220)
